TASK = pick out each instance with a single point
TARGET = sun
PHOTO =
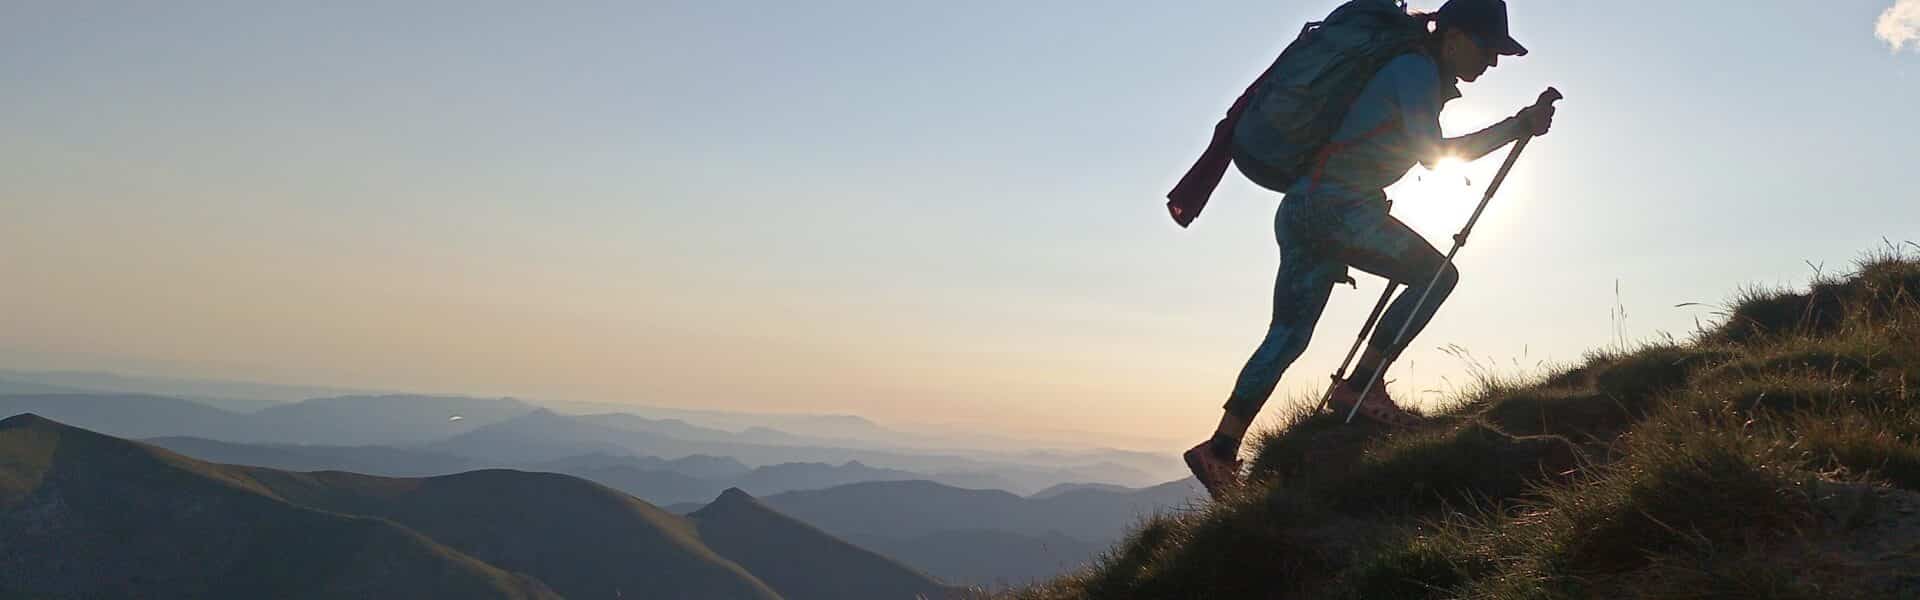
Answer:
(1435, 202)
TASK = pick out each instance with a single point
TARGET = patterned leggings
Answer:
(1318, 241)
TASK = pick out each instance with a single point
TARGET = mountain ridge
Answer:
(50, 507)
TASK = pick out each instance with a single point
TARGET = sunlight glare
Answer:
(1435, 202)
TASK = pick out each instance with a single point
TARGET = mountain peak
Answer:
(733, 501)
(739, 527)
(543, 412)
(25, 420)
(734, 494)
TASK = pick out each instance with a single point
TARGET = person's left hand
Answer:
(1537, 119)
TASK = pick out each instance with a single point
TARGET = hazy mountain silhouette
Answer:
(802, 562)
(980, 536)
(130, 415)
(914, 508)
(847, 428)
(774, 479)
(371, 460)
(349, 420)
(393, 419)
(698, 466)
(88, 515)
(699, 477)
(778, 429)
(707, 467)
(9, 387)
(858, 432)
(543, 431)
(669, 483)
(987, 558)
(238, 396)
(1072, 487)
(674, 428)
(682, 480)
(436, 435)
(544, 435)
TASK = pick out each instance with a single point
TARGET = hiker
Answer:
(1335, 214)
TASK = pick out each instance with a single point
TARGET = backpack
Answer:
(1306, 94)
(1276, 129)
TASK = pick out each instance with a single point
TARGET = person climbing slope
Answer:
(1334, 213)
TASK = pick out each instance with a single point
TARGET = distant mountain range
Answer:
(687, 479)
(694, 478)
(961, 517)
(372, 460)
(86, 514)
(544, 435)
(981, 537)
(507, 432)
(240, 396)
(850, 430)
(973, 536)
(914, 508)
(347, 420)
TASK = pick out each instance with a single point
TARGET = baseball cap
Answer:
(1485, 20)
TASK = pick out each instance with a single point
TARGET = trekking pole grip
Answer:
(1549, 97)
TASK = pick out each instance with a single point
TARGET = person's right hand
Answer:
(1537, 119)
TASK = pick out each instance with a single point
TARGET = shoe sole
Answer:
(1409, 422)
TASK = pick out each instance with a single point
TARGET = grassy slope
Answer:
(1775, 456)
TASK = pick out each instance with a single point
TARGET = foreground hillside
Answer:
(88, 515)
(1776, 455)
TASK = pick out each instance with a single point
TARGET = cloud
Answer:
(1900, 25)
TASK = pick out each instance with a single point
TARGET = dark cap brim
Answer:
(1508, 47)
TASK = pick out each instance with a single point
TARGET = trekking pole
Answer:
(1459, 239)
(1373, 318)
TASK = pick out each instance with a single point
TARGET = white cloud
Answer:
(1900, 25)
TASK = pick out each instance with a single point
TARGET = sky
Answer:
(928, 212)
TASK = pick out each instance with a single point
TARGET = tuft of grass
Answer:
(1762, 314)
(1437, 560)
(1308, 443)
(1878, 444)
(1686, 485)
(1466, 464)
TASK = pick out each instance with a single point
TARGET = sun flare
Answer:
(1435, 201)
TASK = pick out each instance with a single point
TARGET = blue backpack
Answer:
(1296, 106)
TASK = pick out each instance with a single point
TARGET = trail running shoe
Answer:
(1378, 407)
(1215, 473)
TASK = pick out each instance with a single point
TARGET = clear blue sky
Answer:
(933, 211)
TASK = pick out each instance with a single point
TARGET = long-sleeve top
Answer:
(1394, 124)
